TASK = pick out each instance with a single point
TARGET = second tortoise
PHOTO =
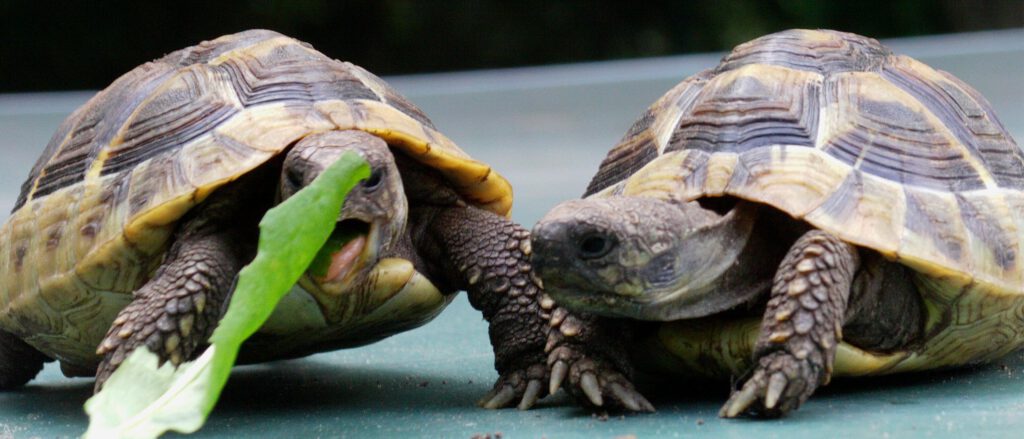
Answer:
(814, 206)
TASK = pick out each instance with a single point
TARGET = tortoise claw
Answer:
(558, 373)
(531, 395)
(779, 385)
(590, 388)
(630, 398)
(525, 383)
(498, 399)
(595, 383)
(738, 402)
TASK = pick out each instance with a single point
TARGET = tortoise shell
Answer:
(878, 149)
(96, 212)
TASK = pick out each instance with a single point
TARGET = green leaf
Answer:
(142, 400)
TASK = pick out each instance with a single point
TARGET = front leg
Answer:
(490, 257)
(176, 311)
(592, 352)
(801, 327)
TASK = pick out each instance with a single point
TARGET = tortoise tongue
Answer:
(342, 260)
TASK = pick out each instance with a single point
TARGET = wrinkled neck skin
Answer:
(669, 260)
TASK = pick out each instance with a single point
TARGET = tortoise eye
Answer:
(595, 245)
(373, 181)
(294, 178)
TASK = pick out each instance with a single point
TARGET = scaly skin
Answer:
(801, 328)
(592, 353)
(177, 310)
(491, 256)
(19, 362)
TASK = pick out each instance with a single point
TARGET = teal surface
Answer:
(546, 129)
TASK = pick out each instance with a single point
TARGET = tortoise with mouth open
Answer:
(813, 206)
(133, 224)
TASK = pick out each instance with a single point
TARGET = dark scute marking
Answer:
(290, 75)
(89, 230)
(169, 121)
(748, 114)
(843, 52)
(92, 127)
(843, 202)
(923, 219)
(758, 160)
(53, 238)
(892, 141)
(98, 120)
(162, 174)
(51, 149)
(977, 216)
(622, 161)
(19, 256)
(693, 167)
(61, 175)
(969, 118)
(64, 161)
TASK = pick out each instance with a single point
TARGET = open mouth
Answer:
(337, 258)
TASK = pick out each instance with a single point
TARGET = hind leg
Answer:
(19, 362)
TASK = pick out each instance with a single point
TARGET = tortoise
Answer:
(814, 206)
(138, 215)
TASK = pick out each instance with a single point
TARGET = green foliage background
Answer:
(86, 44)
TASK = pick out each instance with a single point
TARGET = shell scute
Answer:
(965, 114)
(752, 106)
(876, 127)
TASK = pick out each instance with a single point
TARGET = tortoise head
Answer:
(373, 218)
(640, 257)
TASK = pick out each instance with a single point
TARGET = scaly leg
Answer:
(801, 327)
(175, 312)
(491, 256)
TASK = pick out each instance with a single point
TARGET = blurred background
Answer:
(73, 45)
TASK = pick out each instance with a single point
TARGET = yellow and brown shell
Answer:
(876, 148)
(94, 216)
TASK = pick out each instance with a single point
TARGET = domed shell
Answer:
(876, 148)
(102, 200)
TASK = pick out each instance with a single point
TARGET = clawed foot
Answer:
(593, 381)
(525, 384)
(779, 385)
(168, 328)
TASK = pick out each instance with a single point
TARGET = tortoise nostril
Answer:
(595, 245)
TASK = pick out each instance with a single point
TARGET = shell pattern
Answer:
(879, 149)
